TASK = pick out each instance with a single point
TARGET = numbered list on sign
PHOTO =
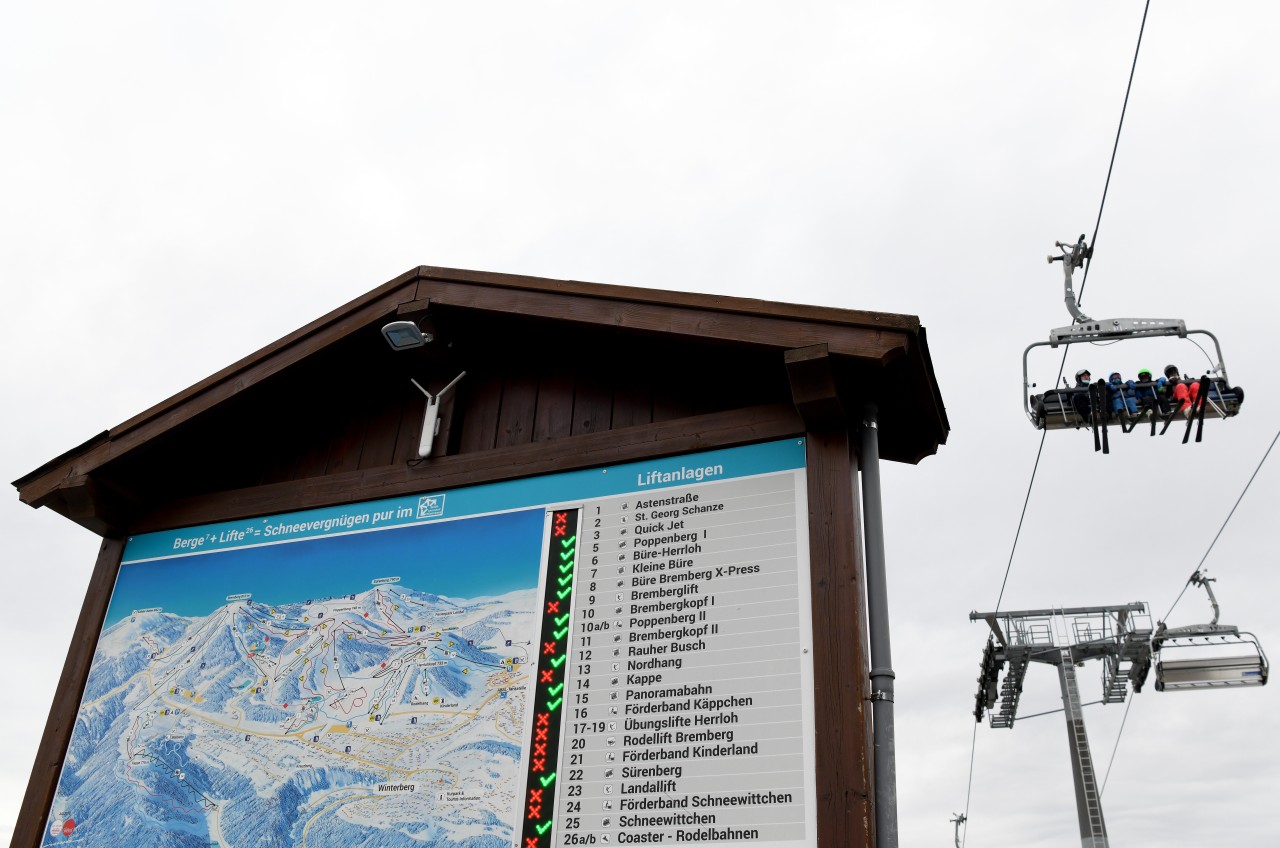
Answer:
(688, 709)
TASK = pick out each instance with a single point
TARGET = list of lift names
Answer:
(685, 719)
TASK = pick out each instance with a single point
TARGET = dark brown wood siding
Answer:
(352, 407)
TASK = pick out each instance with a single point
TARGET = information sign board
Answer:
(605, 657)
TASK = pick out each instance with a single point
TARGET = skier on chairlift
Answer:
(1122, 394)
(1080, 401)
(1145, 390)
(1182, 391)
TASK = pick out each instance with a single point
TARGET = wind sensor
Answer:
(431, 421)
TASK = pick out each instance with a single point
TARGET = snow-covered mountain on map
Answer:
(382, 718)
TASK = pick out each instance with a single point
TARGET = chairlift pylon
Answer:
(1207, 656)
(1077, 407)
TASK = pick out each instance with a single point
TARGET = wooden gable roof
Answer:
(327, 414)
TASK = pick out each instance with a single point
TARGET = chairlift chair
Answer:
(1207, 656)
(1090, 407)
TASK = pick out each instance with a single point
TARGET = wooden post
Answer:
(62, 715)
(841, 686)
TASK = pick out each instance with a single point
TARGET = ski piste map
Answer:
(356, 676)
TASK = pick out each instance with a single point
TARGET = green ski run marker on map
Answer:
(559, 661)
(542, 828)
(548, 780)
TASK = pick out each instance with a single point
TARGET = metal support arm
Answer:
(1071, 260)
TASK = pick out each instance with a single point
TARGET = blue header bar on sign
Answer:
(546, 490)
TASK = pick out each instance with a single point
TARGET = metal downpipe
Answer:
(885, 759)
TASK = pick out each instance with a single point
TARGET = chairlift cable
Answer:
(1022, 517)
(1127, 704)
(1106, 186)
(1061, 367)
(1058, 710)
(1083, 280)
(973, 749)
(1190, 580)
(1224, 524)
(1093, 243)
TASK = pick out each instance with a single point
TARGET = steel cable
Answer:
(1080, 298)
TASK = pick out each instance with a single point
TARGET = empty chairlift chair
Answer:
(1207, 656)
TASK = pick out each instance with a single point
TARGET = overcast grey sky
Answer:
(228, 172)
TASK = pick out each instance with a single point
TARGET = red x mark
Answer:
(542, 733)
(546, 675)
(548, 647)
(553, 607)
(535, 796)
(540, 750)
(540, 765)
(531, 842)
(542, 719)
(535, 812)
(560, 528)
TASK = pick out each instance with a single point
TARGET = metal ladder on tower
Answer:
(1115, 679)
(1093, 830)
(1011, 688)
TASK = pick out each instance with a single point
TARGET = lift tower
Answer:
(1120, 636)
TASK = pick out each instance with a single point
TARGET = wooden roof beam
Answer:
(813, 388)
(686, 300)
(874, 344)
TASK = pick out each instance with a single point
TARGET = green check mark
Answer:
(566, 555)
(559, 634)
(561, 619)
(569, 541)
(564, 580)
(552, 705)
(542, 828)
(559, 661)
(566, 568)
(555, 690)
(564, 593)
(548, 780)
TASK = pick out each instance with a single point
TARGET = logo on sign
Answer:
(431, 506)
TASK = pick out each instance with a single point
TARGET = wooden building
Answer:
(560, 375)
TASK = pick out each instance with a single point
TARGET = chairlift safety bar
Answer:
(1115, 329)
